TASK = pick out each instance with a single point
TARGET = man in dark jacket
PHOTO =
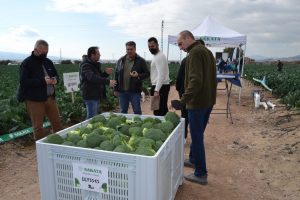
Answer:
(93, 81)
(131, 70)
(180, 89)
(38, 77)
(199, 97)
(222, 66)
(279, 66)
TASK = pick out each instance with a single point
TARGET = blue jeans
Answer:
(134, 98)
(198, 119)
(91, 108)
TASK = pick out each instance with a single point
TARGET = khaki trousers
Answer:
(38, 111)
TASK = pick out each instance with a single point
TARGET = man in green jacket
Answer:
(199, 97)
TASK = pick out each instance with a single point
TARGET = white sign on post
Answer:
(71, 81)
(90, 177)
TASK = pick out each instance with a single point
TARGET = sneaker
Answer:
(188, 163)
(202, 180)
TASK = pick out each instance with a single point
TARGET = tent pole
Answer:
(242, 74)
(162, 36)
(168, 51)
(238, 67)
(243, 64)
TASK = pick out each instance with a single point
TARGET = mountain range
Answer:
(19, 56)
(265, 59)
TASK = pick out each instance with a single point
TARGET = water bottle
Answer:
(256, 100)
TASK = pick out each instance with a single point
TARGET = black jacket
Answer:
(136, 83)
(32, 77)
(92, 80)
(180, 78)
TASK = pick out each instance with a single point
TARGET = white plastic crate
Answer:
(130, 177)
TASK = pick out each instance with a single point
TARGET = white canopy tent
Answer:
(215, 34)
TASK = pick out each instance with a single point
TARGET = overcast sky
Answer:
(71, 26)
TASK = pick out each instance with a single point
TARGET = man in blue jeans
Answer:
(93, 81)
(199, 97)
(131, 70)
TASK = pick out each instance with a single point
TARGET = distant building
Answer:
(249, 60)
(12, 63)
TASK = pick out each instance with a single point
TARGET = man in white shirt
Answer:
(159, 75)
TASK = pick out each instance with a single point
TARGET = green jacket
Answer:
(200, 78)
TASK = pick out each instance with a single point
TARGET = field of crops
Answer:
(13, 115)
(285, 84)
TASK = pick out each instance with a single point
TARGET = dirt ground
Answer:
(256, 157)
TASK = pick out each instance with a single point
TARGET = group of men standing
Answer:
(130, 72)
(38, 77)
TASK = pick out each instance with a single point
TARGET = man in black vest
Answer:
(38, 77)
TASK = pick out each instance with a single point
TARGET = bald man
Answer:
(199, 98)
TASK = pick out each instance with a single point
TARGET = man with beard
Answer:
(159, 75)
(38, 77)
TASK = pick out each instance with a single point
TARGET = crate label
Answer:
(90, 177)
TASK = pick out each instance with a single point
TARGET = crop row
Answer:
(285, 84)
